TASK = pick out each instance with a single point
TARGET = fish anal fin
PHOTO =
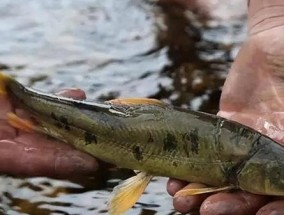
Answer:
(126, 194)
(203, 190)
(136, 101)
(19, 123)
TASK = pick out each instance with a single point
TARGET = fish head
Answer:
(263, 172)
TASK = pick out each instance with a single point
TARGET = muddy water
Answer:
(126, 48)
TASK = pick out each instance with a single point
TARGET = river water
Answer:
(110, 49)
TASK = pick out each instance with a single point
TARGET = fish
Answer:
(154, 139)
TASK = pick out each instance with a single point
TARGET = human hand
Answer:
(253, 95)
(32, 154)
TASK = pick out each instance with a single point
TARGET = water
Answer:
(126, 48)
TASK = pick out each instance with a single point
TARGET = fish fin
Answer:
(126, 194)
(197, 191)
(137, 101)
(19, 123)
(3, 79)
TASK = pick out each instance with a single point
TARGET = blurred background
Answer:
(179, 51)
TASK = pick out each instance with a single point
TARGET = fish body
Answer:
(159, 139)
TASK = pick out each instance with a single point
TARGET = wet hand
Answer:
(32, 154)
(253, 95)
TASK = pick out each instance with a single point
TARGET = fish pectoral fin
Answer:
(197, 191)
(19, 123)
(136, 101)
(126, 194)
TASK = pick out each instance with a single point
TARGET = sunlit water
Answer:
(110, 48)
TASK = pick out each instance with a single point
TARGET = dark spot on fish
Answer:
(53, 116)
(191, 142)
(67, 127)
(193, 138)
(150, 139)
(58, 124)
(137, 152)
(63, 120)
(65, 123)
(170, 143)
(90, 138)
(230, 173)
(175, 164)
(187, 143)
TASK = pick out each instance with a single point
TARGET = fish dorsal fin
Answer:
(137, 106)
(136, 102)
(126, 194)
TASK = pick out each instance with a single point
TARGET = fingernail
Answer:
(175, 185)
(74, 93)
